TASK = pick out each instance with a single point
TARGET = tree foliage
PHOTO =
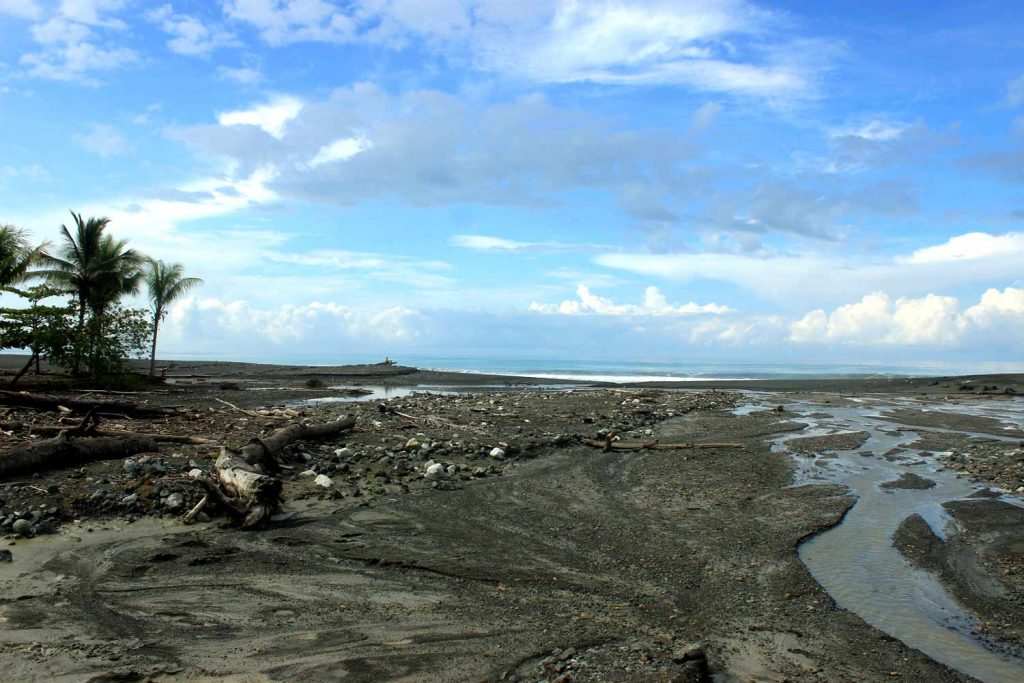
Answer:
(92, 332)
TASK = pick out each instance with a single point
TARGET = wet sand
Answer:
(556, 562)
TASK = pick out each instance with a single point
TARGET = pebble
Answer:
(195, 473)
(174, 502)
(498, 453)
(434, 471)
(323, 480)
(22, 527)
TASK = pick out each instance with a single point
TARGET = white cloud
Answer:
(340, 150)
(190, 36)
(76, 42)
(243, 75)
(491, 243)
(31, 171)
(103, 140)
(788, 278)
(92, 11)
(281, 22)
(654, 304)
(271, 117)
(26, 9)
(931, 320)
(971, 246)
(728, 46)
(317, 326)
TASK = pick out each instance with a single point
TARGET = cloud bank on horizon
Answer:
(609, 178)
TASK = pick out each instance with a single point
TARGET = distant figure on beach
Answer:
(388, 361)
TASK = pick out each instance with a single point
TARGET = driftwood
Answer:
(25, 399)
(244, 486)
(50, 430)
(432, 420)
(66, 450)
(608, 445)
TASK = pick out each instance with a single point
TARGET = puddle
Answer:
(856, 561)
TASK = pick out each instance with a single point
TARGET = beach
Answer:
(573, 531)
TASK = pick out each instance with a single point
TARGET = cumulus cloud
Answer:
(271, 117)
(317, 326)
(654, 304)
(76, 41)
(969, 247)
(932, 320)
(189, 35)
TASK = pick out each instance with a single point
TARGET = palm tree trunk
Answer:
(152, 355)
(77, 367)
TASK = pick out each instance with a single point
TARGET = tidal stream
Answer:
(856, 561)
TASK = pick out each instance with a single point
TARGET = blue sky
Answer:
(722, 179)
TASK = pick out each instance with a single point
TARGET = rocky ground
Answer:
(465, 535)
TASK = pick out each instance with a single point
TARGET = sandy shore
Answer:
(546, 560)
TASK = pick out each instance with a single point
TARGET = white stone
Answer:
(343, 452)
(434, 471)
(195, 473)
(323, 480)
(497, 453)
(307, 473)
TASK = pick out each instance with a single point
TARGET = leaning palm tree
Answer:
(16, 256)
(166, 284)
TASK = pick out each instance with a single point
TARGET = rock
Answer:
(307, 473)
(344, 452)
(909, 480)
(46, 527)
(130, 499)
(174, 502)
(131, 468)
(412, 443)
(6, 556)
(690, 652)
(323, 480)
(22, 527)
(195, 473)
(497, 453)
(434, 471)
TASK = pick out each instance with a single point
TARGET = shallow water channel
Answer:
(856, 561)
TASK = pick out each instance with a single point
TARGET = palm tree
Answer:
(16, 256)
(96, 267)
(166, 284)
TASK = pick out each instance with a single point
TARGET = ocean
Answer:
(644, 370)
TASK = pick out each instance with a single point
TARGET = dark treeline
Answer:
(91, 332)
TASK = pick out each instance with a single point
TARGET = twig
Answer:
(250, 413)
(194, 512)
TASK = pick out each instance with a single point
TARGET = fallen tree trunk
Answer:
(654, 445)
(48, 430)
(243, 487)
(24, 399)
(64, 450)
